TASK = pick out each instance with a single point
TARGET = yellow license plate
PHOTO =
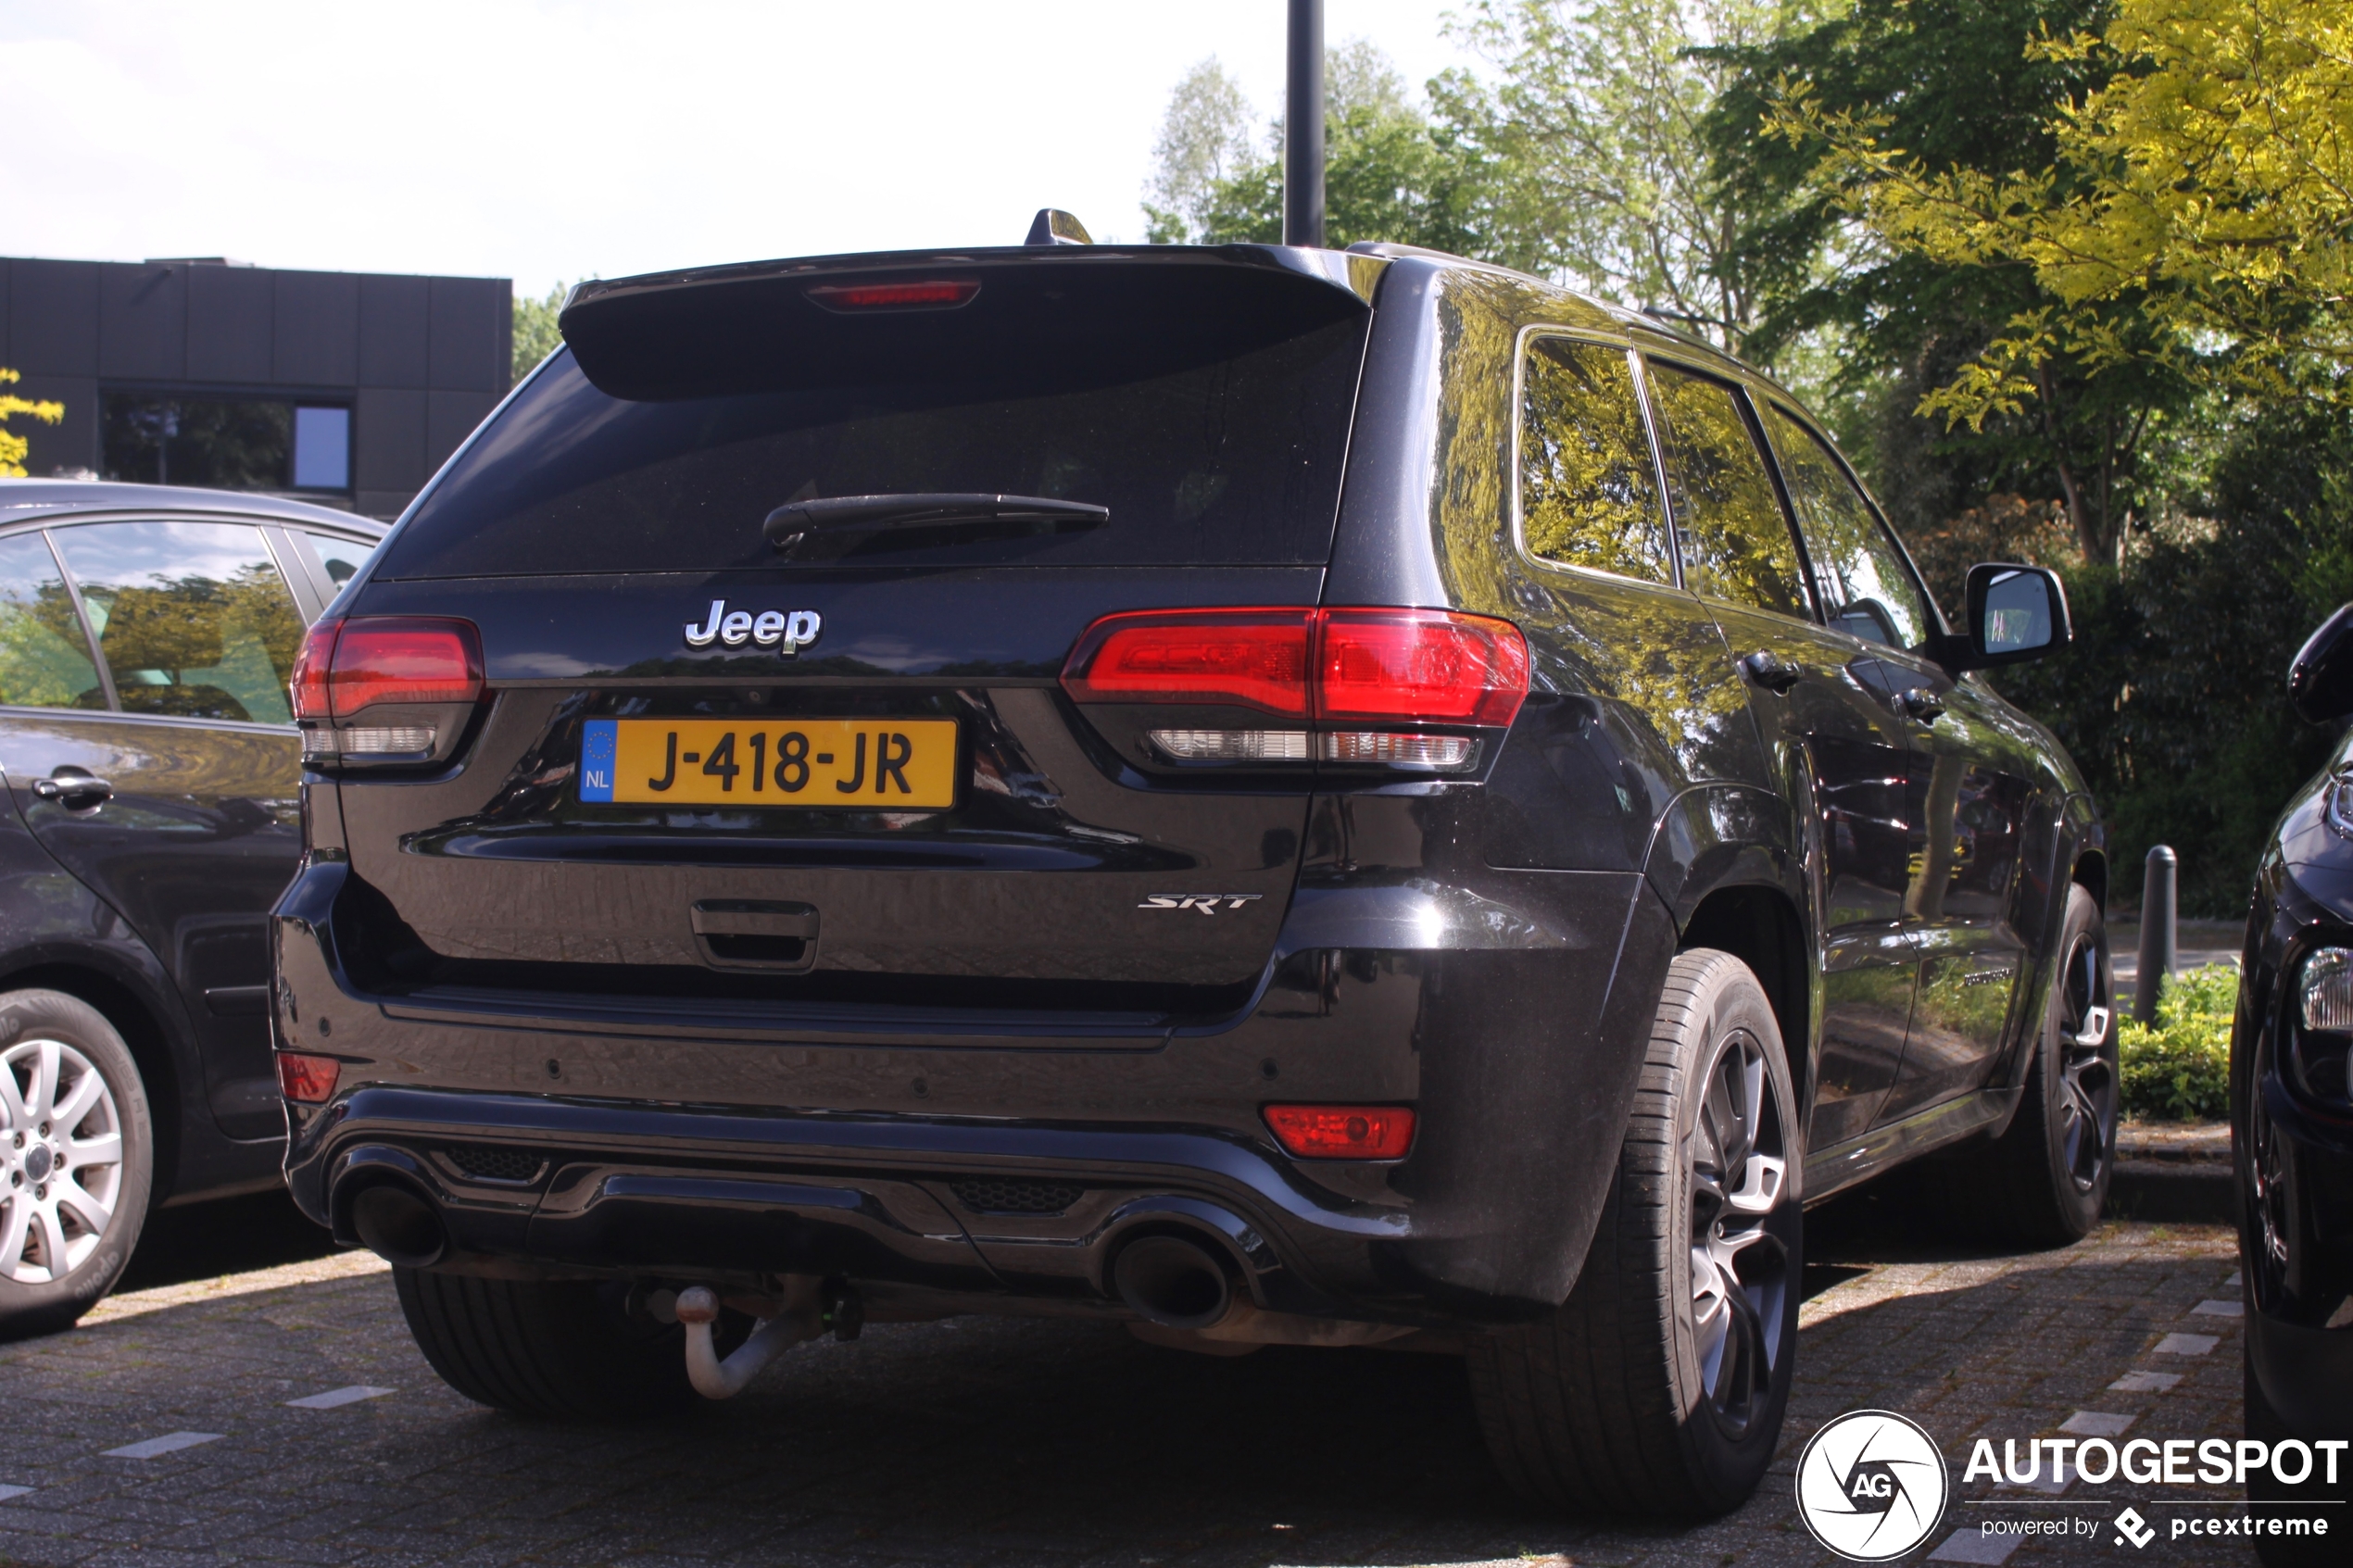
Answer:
(845, 764)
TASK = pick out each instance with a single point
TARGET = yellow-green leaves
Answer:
(13, 446)
(2199, 211)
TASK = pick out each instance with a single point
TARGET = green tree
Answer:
(1600, 175)
(1956, 84)
(536, 335)
(14, 446)
(1390, 173)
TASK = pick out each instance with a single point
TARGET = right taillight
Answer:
(1342, 678)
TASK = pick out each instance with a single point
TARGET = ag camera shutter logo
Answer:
(1871, 1486)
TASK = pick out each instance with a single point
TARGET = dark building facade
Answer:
(342, 387)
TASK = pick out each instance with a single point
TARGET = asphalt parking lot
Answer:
(160, 1431)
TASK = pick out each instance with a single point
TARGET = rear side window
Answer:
(1867, 590)
(1737, 544)
(342, 558)
(1588, 491)
(44, 659)
(1210, 414)
(192, 618)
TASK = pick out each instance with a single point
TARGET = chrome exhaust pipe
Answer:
(398, 1226)
(1172, 1282)
(697, 1308)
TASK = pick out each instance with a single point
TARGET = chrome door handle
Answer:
(1771, 671)
(1920, 703)
(75, 792)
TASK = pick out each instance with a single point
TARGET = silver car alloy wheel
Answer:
(1743, 1221)
(60, 1161)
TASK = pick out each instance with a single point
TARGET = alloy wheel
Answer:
(1742, 1222)
(60, 1161)
(2087, 1047)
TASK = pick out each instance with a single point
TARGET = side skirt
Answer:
(1832, 1171)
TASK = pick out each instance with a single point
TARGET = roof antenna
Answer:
(1052, 226)
(1303, 128)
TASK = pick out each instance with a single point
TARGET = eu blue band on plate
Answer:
(596, 747)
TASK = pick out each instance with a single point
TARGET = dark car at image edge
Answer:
(1275, 795)
(152, 781)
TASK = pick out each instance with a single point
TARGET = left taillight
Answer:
(347, 667)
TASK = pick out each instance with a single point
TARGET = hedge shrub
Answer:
(2179, 1069)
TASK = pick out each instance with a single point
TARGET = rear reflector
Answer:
(931, 294)
(308, 1080)
(1410, 666)
(347, 665)
(1342, 1132)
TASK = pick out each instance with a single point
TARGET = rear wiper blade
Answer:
(834, 524)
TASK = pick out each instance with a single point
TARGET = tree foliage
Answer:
(536, 335)
(13, 445)
(2195, 211)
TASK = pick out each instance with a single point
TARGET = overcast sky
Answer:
(565, 138)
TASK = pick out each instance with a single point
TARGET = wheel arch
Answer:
(1759, 925)
(2091, 874)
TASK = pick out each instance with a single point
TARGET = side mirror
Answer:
(2320, 683)
(2015, 613)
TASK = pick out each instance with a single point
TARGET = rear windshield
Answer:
(1210, 415)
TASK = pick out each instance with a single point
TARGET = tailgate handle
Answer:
(756, 933)
(755, 917)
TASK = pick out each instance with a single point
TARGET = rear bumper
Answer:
(1514, 1024)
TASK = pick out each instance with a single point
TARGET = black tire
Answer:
(50, 1201)
(564, 1350)
(2311, 1499)
(1614, 1403)
(2044, 1182)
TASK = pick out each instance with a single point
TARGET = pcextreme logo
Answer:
(1871, 1484)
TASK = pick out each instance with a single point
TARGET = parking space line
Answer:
(334, 1397)
(2097, 1424)
(1974, 1545)
(169, 1443)
(7, 1492)
(2145, 1383)
(2186, 1344)
(2219, 1310)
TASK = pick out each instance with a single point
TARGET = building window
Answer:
(226, 443)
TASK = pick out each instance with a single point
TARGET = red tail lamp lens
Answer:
(308, 1080)
(931, 294)
(309, 686)
(1342, 1132)
(393, 658)
(1411, 666)
(1250, 658)
(1420, 665)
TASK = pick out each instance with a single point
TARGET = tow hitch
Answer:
(808, 1310)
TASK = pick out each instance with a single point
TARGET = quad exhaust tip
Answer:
(398, 1226)
(1172, 1282)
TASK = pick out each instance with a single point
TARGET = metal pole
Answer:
(2160, 944)
(1303, 128)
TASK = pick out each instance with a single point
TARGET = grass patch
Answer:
(2178, 1068)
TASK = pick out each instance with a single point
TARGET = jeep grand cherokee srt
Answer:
(1277, 796)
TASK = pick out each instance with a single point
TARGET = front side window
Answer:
(1589, 492)
(44, 659)
(192, 618)
(1867, 590)
(1737, 546)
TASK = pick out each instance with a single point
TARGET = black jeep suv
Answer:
(1277, 795)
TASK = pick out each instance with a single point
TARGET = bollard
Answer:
(2159, 945)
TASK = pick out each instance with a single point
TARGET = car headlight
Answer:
(2320, 1045)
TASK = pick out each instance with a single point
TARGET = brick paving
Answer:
(1005, 1441)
